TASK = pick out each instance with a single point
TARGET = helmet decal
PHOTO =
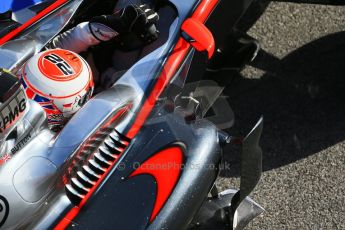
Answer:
(60, 65)
(65, 68)
(40, 98)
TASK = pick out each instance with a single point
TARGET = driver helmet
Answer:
(60, 81)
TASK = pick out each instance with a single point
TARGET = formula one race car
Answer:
(135, 156)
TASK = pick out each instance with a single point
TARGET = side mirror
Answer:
(198, 35)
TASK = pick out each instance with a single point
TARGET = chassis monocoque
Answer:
(130, 158)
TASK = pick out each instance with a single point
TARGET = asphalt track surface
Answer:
(298, 84)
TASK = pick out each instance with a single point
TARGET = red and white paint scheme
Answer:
(60, 80)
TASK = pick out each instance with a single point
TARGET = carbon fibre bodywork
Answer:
(201, 158)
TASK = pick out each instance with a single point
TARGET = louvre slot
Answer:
(112, 147)
(95, 158)
(90, 173)
(73, 195)
(96, 167)
(101, 160)
(123, 137)
(110, 144)
(106, 154)
(79, 187)
(85, 180)
(116, 139)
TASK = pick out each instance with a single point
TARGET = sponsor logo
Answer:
(21, 144)
(10, 112)
(102, 32)
(4, 210)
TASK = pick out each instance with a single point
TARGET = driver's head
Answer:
(60, 81)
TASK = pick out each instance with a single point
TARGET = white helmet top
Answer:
(60, 81)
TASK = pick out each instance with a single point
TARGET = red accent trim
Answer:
(63, 224)
(165, 167)
(36, 18)
(68, 105)
(29, 93)
(204, 10)
(52, 112)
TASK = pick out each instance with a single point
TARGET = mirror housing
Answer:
(198, 35)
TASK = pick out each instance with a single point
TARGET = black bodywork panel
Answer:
(127, 203)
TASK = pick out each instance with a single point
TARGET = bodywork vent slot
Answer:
(104, 157)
